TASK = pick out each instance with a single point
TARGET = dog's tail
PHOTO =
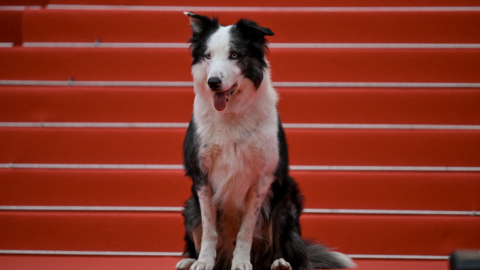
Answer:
(322, 258)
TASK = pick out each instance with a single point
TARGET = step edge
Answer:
(472, 213)
(180, 167)
(264, 9)
(271, 45)
(178, 254)
(185, 125)
(275, 84)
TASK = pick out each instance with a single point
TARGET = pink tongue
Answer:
(220, 101)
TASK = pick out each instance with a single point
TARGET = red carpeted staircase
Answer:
(380, 101)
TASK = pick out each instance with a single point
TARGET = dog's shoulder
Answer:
(283, 162)
(190, 154)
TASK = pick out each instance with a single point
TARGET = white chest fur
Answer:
(237, 153)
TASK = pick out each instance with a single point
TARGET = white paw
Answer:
(281, 264)
(185, 264)
(241, 265)
(202, 265)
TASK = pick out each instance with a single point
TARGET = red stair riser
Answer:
(94, 187)
(92, 231)
(277, 3)
(406, 235)
(402, 264)
(95, 104)
(301, 27)
(331, 190)
(379, 106)
(306, 147)
(332, 65)
(390, 190)
(163, 231)
(13, 262)
(296, 105)
(384, 147)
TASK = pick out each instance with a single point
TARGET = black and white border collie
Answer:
(244, 210)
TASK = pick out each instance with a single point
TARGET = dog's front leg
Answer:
(254, 201)
(208, 246)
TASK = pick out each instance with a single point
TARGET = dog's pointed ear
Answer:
(252, 29)
(198, 23)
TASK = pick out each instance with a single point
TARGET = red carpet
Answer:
(425, 156)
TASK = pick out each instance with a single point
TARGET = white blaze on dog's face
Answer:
(223, 74)
(228, 61)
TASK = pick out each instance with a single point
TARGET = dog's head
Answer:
(227, 59)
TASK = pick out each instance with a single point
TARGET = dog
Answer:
(244, 210)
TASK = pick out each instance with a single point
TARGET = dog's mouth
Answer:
(221, 98)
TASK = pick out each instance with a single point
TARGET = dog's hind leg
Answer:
(292, 252)
(289, 250)
(192, 220)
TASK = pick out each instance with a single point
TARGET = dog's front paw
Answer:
(281, 264)
(241, 265)
(185, 264)
(202, 265)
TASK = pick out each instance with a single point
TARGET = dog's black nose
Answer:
(214, 83)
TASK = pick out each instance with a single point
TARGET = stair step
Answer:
(168, 263)
(406, 235)
(390, 190)
(453, 191)
(117, 230)
(94, 187)
(51, 25)
(278, 3)
(297, 105)
(403, 264)
(306, 65)
(92, 231)
(379, 106)
(307, 147)
(100, 104)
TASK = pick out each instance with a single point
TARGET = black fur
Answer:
(286, 202)
(202, 28)
(248, 41)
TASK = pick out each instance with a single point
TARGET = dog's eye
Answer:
(233, 55)
(208, 55)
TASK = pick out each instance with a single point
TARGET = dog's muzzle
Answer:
(220, 97)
